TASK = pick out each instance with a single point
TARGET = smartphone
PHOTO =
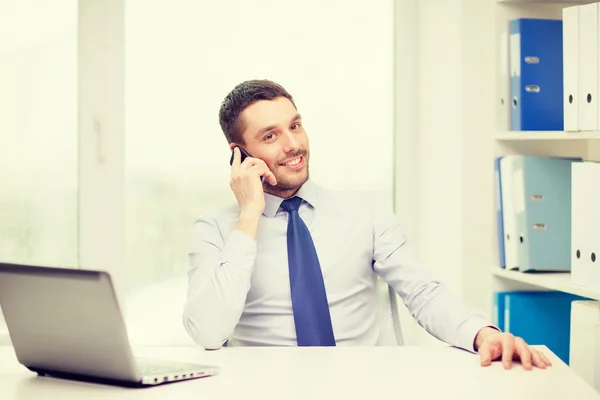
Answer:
(243, 153)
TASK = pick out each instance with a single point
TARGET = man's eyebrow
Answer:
(271, 127)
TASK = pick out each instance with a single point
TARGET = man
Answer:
(295, 264)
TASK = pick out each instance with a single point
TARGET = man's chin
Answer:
(284, 184)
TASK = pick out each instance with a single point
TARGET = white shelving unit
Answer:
(560, 281)
(545, 143)
(546, 135)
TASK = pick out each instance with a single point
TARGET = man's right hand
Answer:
(248, 189)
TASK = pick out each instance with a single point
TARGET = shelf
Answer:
(560, 281)
(567, 2)
(547, 135)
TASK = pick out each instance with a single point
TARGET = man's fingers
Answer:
(262, 170)
(524, 353)
(270, 177)
(237, 156)
(537, 359)
(546, 360)
(485, 354)
(254, 164)
(507, 350)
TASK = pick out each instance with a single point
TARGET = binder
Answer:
(588, 67)
(536, 74)
(592, 225)
(584, 348)
(499, 215)
(580, 218)
(504, 101)
(570, 67)
(498, 310)
(509, 220)
(541, 318)
(543, 212)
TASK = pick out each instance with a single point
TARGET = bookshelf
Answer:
(585, 144)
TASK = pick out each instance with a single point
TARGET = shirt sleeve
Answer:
(439, 311)
(219, 281)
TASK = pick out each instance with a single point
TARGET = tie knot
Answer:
(291, 204)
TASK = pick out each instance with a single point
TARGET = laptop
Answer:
(67, 323)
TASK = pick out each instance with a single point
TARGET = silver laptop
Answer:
(67, 323)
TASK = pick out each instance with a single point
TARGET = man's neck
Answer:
(284, 194)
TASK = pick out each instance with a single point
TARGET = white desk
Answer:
(369, 373)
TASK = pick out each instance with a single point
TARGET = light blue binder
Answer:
(539, 317)
(543, 211)
(536, 74)
(499, 214)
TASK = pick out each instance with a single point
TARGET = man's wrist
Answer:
(248, 222)
(483, 334)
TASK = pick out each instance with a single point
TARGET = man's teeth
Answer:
(293, 162)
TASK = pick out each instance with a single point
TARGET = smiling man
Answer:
(295, 264)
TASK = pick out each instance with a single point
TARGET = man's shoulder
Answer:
(220, 215)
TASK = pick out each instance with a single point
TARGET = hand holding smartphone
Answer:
(244, 154)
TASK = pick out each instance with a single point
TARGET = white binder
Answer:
(509, 215)
(584, 347)
(570, 67)
(579, 217)
(592, 225)
(588, 67)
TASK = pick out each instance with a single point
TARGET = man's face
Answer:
(274, 133)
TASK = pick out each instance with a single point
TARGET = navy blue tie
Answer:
(309, 299)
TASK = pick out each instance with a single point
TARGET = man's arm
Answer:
(219, 280)
(442, 313)
(221, 267)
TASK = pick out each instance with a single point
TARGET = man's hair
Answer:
(242, 96)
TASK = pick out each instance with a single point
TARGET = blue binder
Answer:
(536, 74)
(498, 310)
(540, 318)
(499, 214)
(543, 211)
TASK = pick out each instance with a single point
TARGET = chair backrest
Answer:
(388, 316)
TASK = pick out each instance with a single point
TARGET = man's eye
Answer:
(295, 126)
(269, 136)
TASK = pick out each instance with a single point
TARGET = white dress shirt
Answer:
(239, 288)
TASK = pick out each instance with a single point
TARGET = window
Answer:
(38, 133)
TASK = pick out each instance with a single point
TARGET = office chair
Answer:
(388, 316)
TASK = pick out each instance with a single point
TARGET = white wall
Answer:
(440, 145)
(456, 97)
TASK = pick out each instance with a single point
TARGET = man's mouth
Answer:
(294, 163)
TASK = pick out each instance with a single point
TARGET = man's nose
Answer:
(290, 143)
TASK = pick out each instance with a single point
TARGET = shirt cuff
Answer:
(240, 250)
(468, 332)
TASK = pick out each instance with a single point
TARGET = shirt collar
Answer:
(309, 192)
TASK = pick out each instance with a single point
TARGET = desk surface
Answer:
(319, 373)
